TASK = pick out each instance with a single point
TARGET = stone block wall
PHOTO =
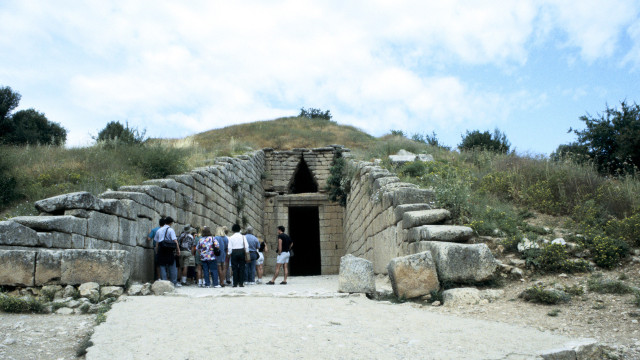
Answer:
(281, 167)
(373, 226)
(227, 192)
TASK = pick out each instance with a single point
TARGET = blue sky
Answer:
(529, 68)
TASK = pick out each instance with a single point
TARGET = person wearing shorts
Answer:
(260, 262)
(284, 245)
(186, 257)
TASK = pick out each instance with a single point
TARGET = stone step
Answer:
(412, 219)
(401, 209)
(448, 233)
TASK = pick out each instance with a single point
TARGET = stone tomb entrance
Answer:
(304, 227)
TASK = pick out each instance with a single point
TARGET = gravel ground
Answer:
(308, 319)
(42, 336)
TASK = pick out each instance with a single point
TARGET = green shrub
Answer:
(574, 290)
(476, 140)
(553, 258)
(339, 181)
(605, 286)
(12, 304)
(539, 294)
(608, 251)
(157, 161)
(413, 169)
(627, 229)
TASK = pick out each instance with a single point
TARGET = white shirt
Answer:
(236, 241)
(160, 234)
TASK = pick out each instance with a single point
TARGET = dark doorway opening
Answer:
(303, 181)
(304, 229)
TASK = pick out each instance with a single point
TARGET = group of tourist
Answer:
(215, 260)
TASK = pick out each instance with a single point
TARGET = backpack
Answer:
(166, 242)
(184, 236)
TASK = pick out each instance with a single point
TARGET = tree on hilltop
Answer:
(476, 140)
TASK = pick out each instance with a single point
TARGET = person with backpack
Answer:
(209, 249)
(186, 258)
(166, 248)
(150, 239)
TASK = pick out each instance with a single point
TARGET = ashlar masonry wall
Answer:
(112, 229)
(373, 216)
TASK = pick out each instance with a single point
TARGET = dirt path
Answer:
(306, 319)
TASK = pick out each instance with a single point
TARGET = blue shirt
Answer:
(253, 242)
(152, 235)
(223, 242)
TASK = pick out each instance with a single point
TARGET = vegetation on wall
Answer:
(339, 181)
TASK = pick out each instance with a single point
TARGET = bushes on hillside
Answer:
(476, 140)
(114, 131)
(313, 113)
(610, 140)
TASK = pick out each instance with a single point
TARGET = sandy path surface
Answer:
(306, 319)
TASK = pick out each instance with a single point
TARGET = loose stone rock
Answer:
(356, 275)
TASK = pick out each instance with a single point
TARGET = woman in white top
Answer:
(237, 246)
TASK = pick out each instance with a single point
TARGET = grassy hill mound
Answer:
(280, 134)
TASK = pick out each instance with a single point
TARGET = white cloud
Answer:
(184, 67)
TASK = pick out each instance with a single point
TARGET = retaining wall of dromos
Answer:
(81, 238)
(373, 216)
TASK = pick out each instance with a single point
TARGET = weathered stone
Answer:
(164, 183)
(102, 226)
(463, 263)
(77, 200)
(356, 275)
(404, 156)
(146, 289)
(17, 267)
(152, 190)
(90, 290)
(55, 239)
(64, 311)
(461, 297)
(413, 276)
(401, 209)
(491, 295)
(15, 234)
(135, 290)
(105, 267)
(48, 267)
(64, 223)
(115, 207)
(140, 198)
(111, 292)
(412, 196)
(575, 350)
(447, 233)
(81, 213)
(128, 232)
(160, 287)
(424, 217)
(55, 291)
(70, 291)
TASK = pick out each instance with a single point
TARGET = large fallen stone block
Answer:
(414, 275)
(77, 200)
(356, 275)
(412, 219)
(449, 233)
(463, 263)
(17, 267)
(48, 267)
(105, 267)
(15, 234)
(64, 223)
